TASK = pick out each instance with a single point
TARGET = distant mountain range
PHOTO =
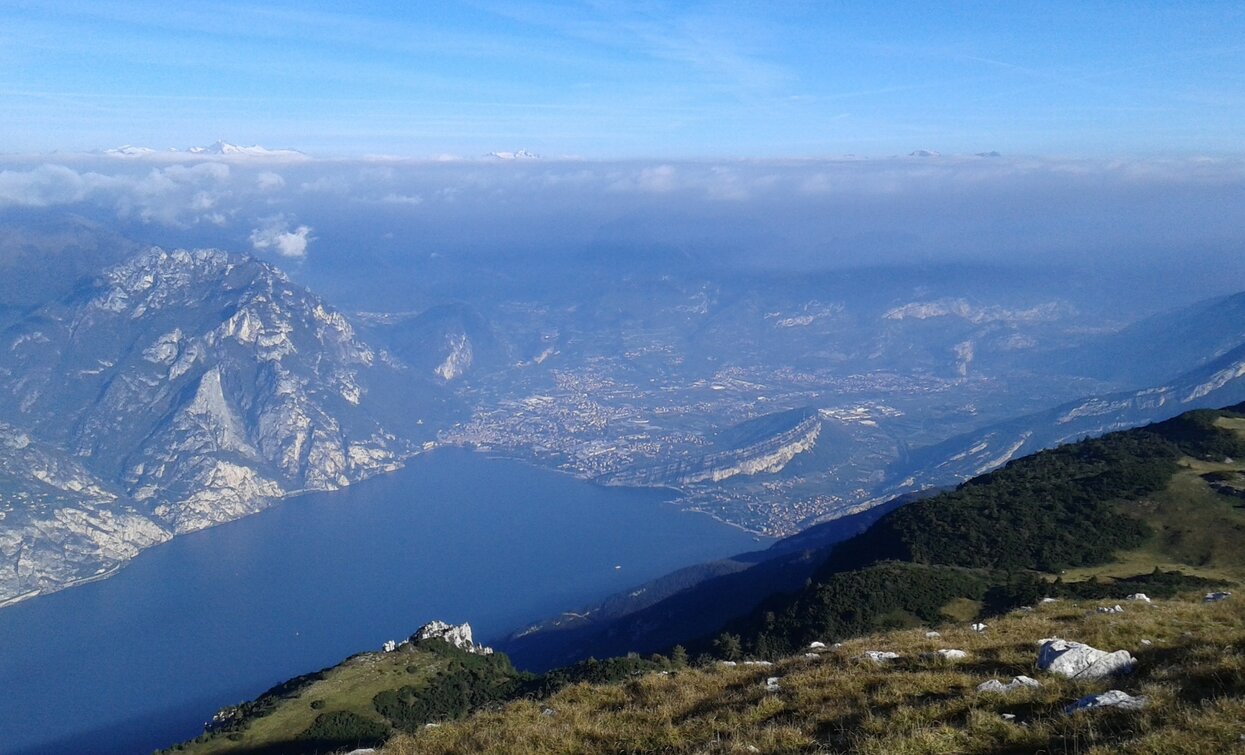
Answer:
(215, 149)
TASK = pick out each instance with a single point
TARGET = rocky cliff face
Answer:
(766, 451)
(179, 390)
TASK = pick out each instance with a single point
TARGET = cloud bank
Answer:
(796, 214)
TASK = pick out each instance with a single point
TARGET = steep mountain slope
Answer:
(59, 523)
(197, 385)
(686, 604)
(447, 341)
(1217, 383)
(1172, 342)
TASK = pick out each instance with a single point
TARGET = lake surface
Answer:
(142, 659)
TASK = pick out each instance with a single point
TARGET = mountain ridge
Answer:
(199, 385)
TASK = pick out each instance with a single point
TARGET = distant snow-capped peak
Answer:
(216, 149)
(520, 155)
(129, 151)
(225, 148)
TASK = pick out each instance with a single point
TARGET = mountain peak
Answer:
(224, 148)
(129, 150)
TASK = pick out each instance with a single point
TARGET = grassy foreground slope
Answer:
(1193, 672)
(360, 701)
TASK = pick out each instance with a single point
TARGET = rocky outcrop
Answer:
(458, 360)
(1077, 660)
(457, 635)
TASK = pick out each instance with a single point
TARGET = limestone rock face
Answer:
(1077, 660)
(457, 635)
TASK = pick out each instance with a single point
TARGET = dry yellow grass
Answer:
(1193, 671)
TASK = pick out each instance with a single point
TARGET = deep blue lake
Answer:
(140, 660)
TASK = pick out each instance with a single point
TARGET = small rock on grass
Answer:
(1113, 699)
(1019, 682)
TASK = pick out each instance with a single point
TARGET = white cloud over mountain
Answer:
(275, 235)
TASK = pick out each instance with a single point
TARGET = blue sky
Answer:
(627, 80)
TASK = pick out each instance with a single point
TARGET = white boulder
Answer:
(816, 645)
(1077, 660)
(389, 646)
(951, 654)
(1019, 682)
(1214, 597)
(1117, 608)
(880, 656)
(979, 626)
(933, 635)
(1113, 699)
(1140, 597)
(771, 684)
